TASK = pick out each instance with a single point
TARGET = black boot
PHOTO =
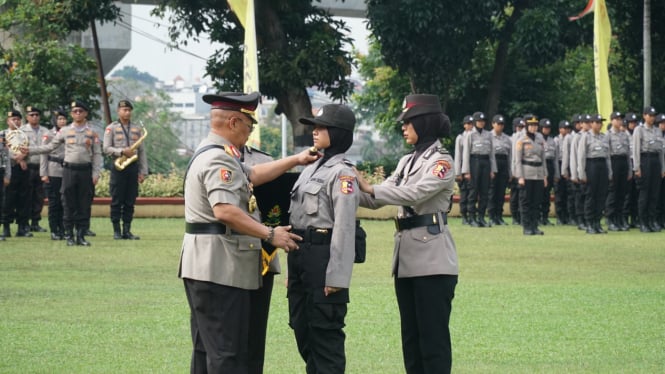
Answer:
(465, 219)
(473, 221)
(599, 228)
(23, 232)
(481, 221)
(6, 232)
(116, 231)
(35, 227)
(623, 223)
(89, 232)
(69, 236)
(613, 224)
(80, 238)
(127, 232)
(56, 234)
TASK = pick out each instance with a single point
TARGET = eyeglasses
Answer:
(33, 114)
(250, 125)
(77, 111)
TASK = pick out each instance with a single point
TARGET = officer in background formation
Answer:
(649, 167)
(568, 172)
(551, 156)
(594, 173)
(51, 173)
(34, 132)
(585, 125)
(82, 166)
(503, 153)
(123, 141)
(561, 186)
(462, 183)
(479, 168)
(5, 173)
(660, 219)
(619, 143)
(531, 173)
(630, 203)
(518, 131)
(16, 207)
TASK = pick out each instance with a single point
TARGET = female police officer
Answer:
(425, 258)
(323, 207)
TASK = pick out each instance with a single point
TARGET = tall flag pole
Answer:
(244, 10)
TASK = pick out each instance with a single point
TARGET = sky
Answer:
(153, 57)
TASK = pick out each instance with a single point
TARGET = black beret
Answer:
(332, 115)
(125, 104)
(499, 119)
(14, 113)
(235, 101)
(479, 116)
(79, 104)
(32, 109)
(418, 105)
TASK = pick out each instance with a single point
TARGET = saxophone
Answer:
(123, 161)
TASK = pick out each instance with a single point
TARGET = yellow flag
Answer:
(602, 34)
(244, 9)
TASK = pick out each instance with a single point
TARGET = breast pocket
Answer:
(311, 198)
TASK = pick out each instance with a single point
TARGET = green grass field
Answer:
(566, 302)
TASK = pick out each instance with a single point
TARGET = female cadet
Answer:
(425, 258)
(323, 207)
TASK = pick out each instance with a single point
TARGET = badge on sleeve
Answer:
(232, 151)
(226, 175)
(441, 168)
(347, 184)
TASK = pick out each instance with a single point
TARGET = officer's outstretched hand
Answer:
(307, 156)
(285, 239)
(364, 185)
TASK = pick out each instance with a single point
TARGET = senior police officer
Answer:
(462, 183)
(619, 142)
(5, 173)
(552, 165)
(479, 168)
(518, 131)
(503, 154)
(594, 172)
(123, 141)
(649, 167)
(34, 131)
(531, 174)
(17, 205)
(220, 260)
(82, 166)
(51, 172)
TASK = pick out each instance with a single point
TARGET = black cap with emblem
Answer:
(235, 101)
(14, 113)
(419, 104)
(498, 119)
(518, 122)
(125, 104)
(332, 115)
(545, 122)
(79, 104)
(32, 109)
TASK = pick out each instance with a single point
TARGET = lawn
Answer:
(564, 302)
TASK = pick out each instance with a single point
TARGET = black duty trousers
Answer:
(77, 191)
(124, 188)
(55, 209)
(649, 187)
(258, 323)
(17, 206)
(497, 194)
(36, 193)
(561, 198)
(480, 183)
(463, 197)
(618, 187)
(595, 189)
(547, 190)
(531, 196)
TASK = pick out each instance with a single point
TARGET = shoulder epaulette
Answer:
(440, 150)
(252, 149)
(348, 163)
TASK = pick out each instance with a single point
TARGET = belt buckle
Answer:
(322, 231)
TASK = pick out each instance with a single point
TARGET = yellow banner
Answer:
(244, 9)
(602, 35)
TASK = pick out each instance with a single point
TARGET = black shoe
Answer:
(572, 222)
(613, 227)
(536, 231)
(545, 222)
(599, 229)
(654, 227)
(37, 228)
(89, 232)
(80, 240)
(528, 232)
(581, 226)
(2, 238)
(465, 220)
(501, 221)
(56, 236)
(23, 232)
(129, 236)
(591, 230)
(483, 223)
(645, 228)
(473, 222)
(516, 222)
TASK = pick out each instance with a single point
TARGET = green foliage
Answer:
(154, 185)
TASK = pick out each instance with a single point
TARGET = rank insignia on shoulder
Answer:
(226, 175)
(441, 168)
(347, 184)
(232, 151)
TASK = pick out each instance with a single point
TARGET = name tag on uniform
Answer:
(598, 148)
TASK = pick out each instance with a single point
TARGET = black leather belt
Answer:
(619, 157)
(56, 159)
(314, 236)
(501, 156)
(531, 163)
(210, 228)
(420, 221)
(73, 166)
(482, 157)
(649, 154)
(596, 159)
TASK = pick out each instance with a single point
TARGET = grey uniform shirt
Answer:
(424, 186)
(477, 143)
(593, 146)
(552, 153)
(503, 145)
(619, 144)
(574, 144)
(216, 176)
(647, 140)
(118, 137)
(35, 139)
(50, 165)
(513, 141)
(530, 157)
(5, 161)
(566, 149)
(82, 146)
(327, 197)
(459, 151)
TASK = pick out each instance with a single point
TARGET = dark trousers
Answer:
(2, 191)
(630, 204)
(547, 190)
(17, 206)
(425, 304)
(618, 188)
(595, 189)
(497, 194)
(77, 190)
(220, 327)
(124, 188)
(579, 202)
(480, 184)
(258, 316)
(531, 196)
(36, 193)
(649, 187)
(515, 200)
(463, 197)
(661, 206)
(55, 209)
(561, 198)
(317, 320)
(571, 188)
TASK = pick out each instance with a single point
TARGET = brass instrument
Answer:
(123, 161)
(16, 139)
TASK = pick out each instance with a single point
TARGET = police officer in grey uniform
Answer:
(220, 261)
(619, 141)
(479, 168)
(594, 171)
(567, 172)
(585, 124)
(649, 167)
(551, 156)
(531, 174)
(560, 187)
(51, 171)
(630, 205)
(120, 138)
(425, 264)
(503, 153)
(5, 173)
(462, 184)
(82, 166)
(35, 132)
(17, 205)
(518, 132)
(323, 208)
(660, 218)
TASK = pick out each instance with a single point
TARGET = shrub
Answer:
(154, 185)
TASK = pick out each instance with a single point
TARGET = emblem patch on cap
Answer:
(226, 175)
(440, 169)
(347, 184)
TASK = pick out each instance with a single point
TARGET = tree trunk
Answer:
(646, 39)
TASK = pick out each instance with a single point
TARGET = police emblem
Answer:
(441, 168)
(226, 175)
(347, 184)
